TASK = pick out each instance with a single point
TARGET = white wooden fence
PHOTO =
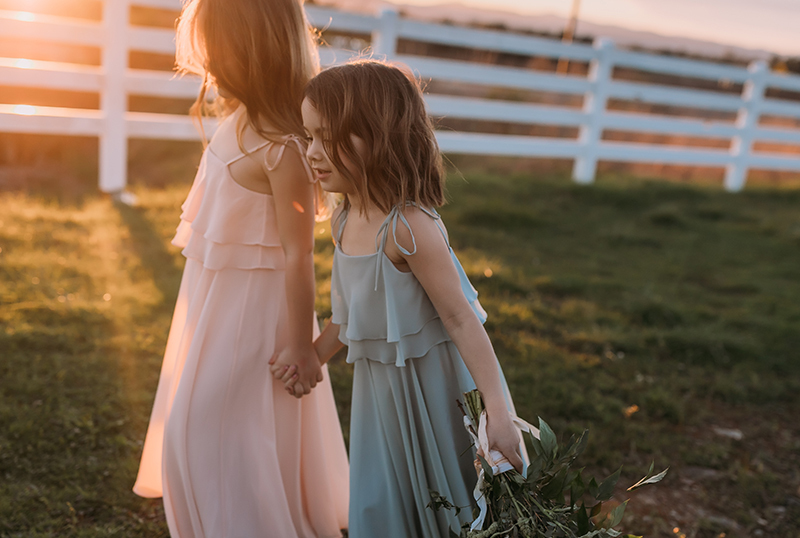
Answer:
(114, 81)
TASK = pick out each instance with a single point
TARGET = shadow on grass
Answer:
(151, 250)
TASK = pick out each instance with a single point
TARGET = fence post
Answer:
(113, 101)
(594, 105)
(746, 123)
(384, 37)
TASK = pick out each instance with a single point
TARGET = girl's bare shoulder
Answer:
(423, 230)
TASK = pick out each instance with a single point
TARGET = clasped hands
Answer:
(298, 368)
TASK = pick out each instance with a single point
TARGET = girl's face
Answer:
(325, 171)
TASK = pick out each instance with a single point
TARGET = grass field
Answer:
(664, 318)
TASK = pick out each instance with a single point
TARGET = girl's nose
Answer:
(312, 152)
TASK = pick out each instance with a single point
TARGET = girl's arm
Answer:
(328, 343)
(433, 267)
(294, 206)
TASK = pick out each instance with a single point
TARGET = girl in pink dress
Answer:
(231, 452)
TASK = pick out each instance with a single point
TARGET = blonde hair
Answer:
(382, 105)
(260, 53)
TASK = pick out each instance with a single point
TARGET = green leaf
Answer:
(596, 509)
(487, 469)
(592, 488)
(575, 447)
(582, 519)
(534, 471)
(576, 488)
(616, 515)
(606, 489)
(583, 440)
(556, 485)
(548, 439)
(649, 479)
(537, 446)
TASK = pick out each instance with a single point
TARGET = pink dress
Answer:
(230, 451)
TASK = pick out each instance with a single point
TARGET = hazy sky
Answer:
(772, 25)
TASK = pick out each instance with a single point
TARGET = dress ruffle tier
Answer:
(398, 312)
(211, 228)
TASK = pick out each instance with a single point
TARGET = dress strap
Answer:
(272, 165)
(432, 213)
(252, 150)
(391, 223)
(300, 147)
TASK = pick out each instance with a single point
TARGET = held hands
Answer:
(297, 368)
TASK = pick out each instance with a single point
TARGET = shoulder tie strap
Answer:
(391, 220)
(252, 150)
(437, 218)
(272, 165)
(300, 147)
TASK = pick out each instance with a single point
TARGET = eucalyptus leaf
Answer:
(606, 489)
(548, 439)
(487, 469)
(576, 488)
(582, 519)
(649, 479)
(592, 488)
(616, 514)
(537, 446)
(534, 471)
(555, 486)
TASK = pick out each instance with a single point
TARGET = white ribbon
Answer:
(496, 460)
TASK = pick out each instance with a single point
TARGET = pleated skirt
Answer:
(407, 437)
(232, 454)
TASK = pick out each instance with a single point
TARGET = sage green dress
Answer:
(406, 432)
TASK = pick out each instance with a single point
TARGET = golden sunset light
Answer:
(25, 110)
(24, 16)
(280, 262)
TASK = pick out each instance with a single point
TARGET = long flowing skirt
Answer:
(230, 451)
(407, 437)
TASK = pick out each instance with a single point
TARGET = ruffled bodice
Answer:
(224, 225)
(384, 314)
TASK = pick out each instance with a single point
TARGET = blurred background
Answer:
(654, 307)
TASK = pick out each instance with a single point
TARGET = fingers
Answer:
(287, 373)
(298, 390)
(515, 459)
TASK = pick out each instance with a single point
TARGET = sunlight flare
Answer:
(25, 110)
(23, 63)
(25, 16)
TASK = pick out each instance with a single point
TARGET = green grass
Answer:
(684, 302)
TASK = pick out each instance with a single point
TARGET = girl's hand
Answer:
(504, 437)
(297, 368)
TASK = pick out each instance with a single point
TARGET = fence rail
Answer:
(114, 81)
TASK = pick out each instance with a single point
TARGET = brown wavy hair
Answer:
(381, 104)
(260, 53)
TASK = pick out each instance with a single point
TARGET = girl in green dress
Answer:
(402, 304)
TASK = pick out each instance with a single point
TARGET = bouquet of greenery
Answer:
(535, 505)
